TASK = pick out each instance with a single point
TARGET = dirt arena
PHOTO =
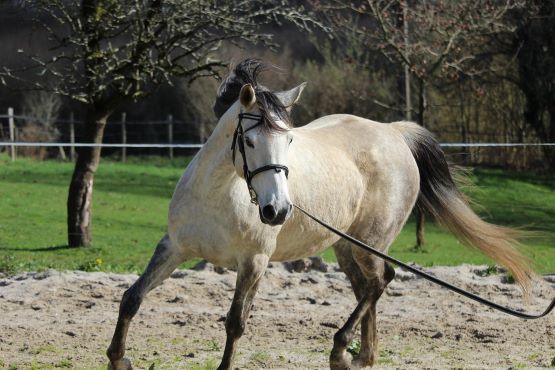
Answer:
(65, 320)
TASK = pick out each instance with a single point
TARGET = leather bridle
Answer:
(239, 142)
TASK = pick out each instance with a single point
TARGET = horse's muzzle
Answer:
(270, 216)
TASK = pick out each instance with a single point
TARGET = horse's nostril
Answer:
(269, 212)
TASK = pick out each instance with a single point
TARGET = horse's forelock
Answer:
(269, 103)
(247, 72)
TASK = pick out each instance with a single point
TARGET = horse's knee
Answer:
(379, 284)
(114, 354)
(342, 338)
(234, 326)
(130, 302)
(389, 273)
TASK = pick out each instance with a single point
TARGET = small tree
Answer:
(108, 52)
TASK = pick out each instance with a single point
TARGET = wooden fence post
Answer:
(123, 137)
(170, 134)
(72, 136)
(11, 124)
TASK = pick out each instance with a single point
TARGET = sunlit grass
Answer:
(130, 216)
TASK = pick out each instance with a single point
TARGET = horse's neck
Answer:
(216, 156)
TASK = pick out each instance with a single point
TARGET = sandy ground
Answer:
(65, 320)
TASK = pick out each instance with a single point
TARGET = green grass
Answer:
(130, 214)
(520, 200)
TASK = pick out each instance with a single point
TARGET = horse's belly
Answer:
(301, 237)
(303, 248)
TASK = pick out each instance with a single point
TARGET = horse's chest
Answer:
(218, 229)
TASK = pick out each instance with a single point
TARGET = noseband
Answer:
(239, 142)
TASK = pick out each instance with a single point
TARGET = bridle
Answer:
(239, 141)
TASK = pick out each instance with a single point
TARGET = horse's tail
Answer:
(440, 197)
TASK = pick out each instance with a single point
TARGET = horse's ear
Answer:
(290, 97)
(247, 96)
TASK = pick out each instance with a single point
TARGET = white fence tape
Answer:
(103, 145)
(485, 145)
(198, 146)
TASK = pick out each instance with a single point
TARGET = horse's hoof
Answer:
(340, 360)
(361, 361)
(121, 364)
(361, 364)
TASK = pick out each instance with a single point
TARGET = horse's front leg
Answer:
(165, 259)
(249, 273)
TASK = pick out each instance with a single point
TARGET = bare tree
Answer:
(198, 98)
(433, 41)
(42, 105)
(42, 109)
(534, 41)
(107, 52)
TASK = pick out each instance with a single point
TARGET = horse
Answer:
(233, 206)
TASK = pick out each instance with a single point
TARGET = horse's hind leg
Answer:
(369, 277)
(165, 259)
(339, 359)
(249, 273)
(378, 274)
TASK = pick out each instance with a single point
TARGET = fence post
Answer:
(11, 125)
(72, 135)
(123, 137)
(170, 134)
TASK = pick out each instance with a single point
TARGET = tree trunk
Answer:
(420, 218)
(79, 200)
(549, 151)
(420, 223)
(534, 42)
(408, 99)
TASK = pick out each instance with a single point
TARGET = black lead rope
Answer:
(427, 276)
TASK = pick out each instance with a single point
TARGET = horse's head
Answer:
(261, 144)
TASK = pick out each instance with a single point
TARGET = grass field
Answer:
(130, 210)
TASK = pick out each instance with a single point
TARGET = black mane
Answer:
(247, 72)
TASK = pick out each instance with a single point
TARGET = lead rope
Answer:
(427, 276)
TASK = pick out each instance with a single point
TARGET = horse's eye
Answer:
(290, 141)
(249, 142)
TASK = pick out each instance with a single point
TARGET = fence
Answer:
(70, 132)
(12, 143)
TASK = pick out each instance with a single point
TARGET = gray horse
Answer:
(361, 176)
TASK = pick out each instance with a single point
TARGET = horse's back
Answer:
(372, 144)
(353, 132)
